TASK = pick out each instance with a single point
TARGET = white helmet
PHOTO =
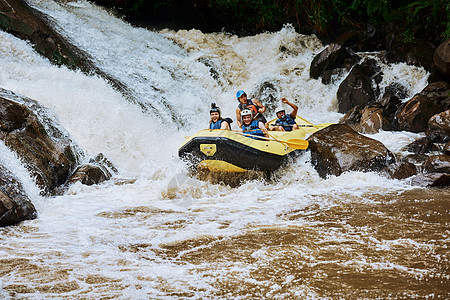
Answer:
(279, 109)
(246, 112)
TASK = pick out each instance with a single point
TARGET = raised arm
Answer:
(294, 107)
(261, 108)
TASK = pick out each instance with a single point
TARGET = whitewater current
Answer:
(154, 232)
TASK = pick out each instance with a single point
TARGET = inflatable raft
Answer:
(233, 151)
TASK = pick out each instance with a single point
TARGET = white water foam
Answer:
(113, 231)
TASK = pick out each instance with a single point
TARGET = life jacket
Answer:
(251, 129)
(250, 105)
(218, 124)
(287, 122)
(215, 125)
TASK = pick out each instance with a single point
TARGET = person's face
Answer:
(243, 98)
(215, 116)
(247, 119)
(280, 114)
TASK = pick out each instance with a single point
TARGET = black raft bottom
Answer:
(232, 152)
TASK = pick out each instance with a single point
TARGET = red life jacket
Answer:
(250, 106)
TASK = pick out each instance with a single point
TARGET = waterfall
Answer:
(153, 231)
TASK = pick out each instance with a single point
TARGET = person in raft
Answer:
(254, 105)
(253, 127)
(217, 122)
(285, 122)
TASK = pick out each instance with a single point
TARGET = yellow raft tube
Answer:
(233, 151)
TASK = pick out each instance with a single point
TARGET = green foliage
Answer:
(322, 15)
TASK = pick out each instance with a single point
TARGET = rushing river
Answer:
(153, 232)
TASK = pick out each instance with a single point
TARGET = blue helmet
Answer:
(240, 93)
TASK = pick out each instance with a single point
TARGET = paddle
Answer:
(293, 143)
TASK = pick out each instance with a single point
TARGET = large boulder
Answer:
(39, 142)
(441, 58)
(439, 127)
(338, 148)
(24, 22)
(355, 89)
(15, 205)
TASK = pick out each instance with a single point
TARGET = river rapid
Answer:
(154, 232)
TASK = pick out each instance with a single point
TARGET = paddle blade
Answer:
(297, 144)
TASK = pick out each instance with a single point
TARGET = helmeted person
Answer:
(285, 122)
(252, 104)
(217, 122)
(252, 127)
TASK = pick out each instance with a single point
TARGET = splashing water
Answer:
(154, 232)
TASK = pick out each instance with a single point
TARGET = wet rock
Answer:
(421, 146)
(414, 115)
(447, 148)
(441, 59)
(437, 164)
(96, 171)
(338, 148)
(39, 142)
(362, 39)
(356, 89)
(416, 159)
(15, 205)
(395, 89)
(439, 127)
(431, 180)
(370, 119)
(331, 58)
(390, 105)
(26, 23)
(352, 117)
(373, 120)
(401, 170)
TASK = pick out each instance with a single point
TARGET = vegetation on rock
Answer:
(425, 19)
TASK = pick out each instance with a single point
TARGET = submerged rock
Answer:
(421, 146)
(437, 164)
(401, 170)
(29, 130)
(15, 205)
(431, 180)
(338, 148)
(96, 171)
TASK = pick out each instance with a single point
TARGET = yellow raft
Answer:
(233, 151)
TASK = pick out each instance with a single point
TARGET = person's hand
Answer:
(284, 100)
